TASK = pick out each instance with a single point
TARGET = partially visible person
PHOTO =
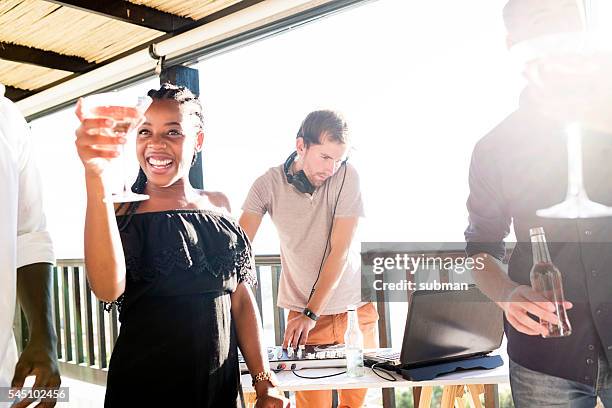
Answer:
(26, 258)
(517, 169)
(177, 266)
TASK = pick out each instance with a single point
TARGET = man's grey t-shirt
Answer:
(303, 222)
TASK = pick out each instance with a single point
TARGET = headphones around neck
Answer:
(299, 180)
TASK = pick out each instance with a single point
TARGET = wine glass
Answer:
(577, 203)
(127, 112)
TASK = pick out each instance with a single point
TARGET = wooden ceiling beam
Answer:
(127, 12)
(42, 58)
(15, 94)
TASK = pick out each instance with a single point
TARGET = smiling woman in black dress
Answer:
(177, 267)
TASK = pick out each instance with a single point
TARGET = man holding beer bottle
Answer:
(517, 169)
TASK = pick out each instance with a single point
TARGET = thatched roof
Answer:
(46, 41)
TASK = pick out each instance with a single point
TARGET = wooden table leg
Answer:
(449, 393)
(475, 391)
(425, 394)
(491, 399)
(416, 396)
(459, 393)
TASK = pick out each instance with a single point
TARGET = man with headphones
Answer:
(315, 203)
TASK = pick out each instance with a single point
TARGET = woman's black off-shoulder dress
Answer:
(177, 343)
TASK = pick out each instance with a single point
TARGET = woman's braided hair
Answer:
(191, 105)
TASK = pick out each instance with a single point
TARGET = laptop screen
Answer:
(446, 325)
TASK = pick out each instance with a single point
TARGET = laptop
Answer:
(444, 326)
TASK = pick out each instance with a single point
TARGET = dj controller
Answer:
(313, 356)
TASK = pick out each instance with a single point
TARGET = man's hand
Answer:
(39, 357)
(297, 331)
(40, 361)
(523, 299)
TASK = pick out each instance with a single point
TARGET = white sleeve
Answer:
(33, 241)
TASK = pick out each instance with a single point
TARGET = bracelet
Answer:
(310, 314)
(265, 376)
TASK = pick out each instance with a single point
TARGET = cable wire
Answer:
(316, 378)
(382, 370)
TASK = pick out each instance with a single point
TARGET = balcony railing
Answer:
(86, 333)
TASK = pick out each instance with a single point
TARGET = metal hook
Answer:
(160, 59)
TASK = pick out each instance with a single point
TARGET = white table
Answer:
(289, 382)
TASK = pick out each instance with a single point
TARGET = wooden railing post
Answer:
(258, 295)
(279, 315)
(89, 325)
(384, 340)
(56, 312)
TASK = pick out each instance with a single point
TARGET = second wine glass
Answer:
(127, 113)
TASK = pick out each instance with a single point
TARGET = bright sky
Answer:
(419, 82)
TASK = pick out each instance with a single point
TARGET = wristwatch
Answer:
(265, 376)
(310, 314)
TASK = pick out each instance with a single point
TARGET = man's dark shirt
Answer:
(518, 168)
